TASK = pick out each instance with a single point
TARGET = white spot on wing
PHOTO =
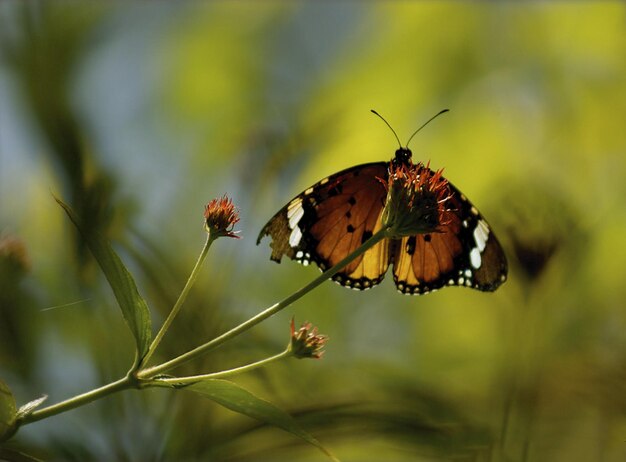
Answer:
(475, 259)
(294, 212)
(481, 234)
(296, 235)
(294, 203)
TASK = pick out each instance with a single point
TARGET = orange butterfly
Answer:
(329, 220)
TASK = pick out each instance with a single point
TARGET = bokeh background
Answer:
(137, 114)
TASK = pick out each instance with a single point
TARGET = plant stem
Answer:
(150, 372)
(227, 373)
(78, 400)
(179, 302)
(130, 382)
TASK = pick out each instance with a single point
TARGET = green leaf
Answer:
(134, 308)
(238, 399)
(8, 412)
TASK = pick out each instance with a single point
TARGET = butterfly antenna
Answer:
(390, 128)
(426, 123)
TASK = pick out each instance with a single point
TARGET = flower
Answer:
(306, 342)
(13, 255)
(220, 217)
(416, 200)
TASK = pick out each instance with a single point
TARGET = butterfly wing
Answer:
(465, 253)
(331, 219)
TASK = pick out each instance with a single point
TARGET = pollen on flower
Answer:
(220, 217)
(416, 200)
(306, 342)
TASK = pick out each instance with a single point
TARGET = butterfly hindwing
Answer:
(330, 220)
(464, 252)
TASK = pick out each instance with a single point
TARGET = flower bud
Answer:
(306, 342)
(220, 217)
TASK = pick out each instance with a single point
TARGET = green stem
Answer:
(126, 382)
(227, 373)
(151, 372)
(179, 302)
(131, 382)
(79, 400)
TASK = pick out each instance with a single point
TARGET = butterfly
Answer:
(329, 220)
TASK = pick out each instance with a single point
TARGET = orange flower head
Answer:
(14, 255)
(416, 200)
(220, 217)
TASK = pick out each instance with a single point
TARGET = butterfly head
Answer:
(402, 157)
(404, 154)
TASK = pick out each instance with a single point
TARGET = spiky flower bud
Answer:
(220, 217)
(306, 342)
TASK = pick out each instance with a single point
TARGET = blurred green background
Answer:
(138, 114)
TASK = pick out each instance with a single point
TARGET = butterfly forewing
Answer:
(329, 220)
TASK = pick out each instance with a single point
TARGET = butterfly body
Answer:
(329, 220)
